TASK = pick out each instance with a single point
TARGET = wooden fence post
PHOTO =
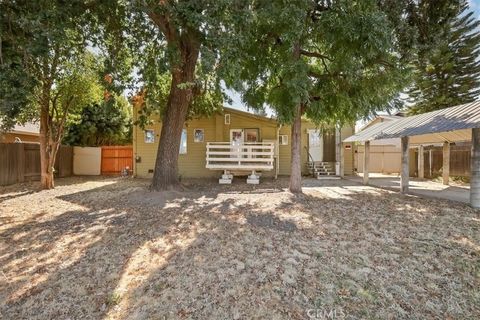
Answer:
(446, 163)
(20, 155)
(421, 163)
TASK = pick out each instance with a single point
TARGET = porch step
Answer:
(320, 169)
(328, 177)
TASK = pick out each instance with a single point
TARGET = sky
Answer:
(237, 99)
(475, 6)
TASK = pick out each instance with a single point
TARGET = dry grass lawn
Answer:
(109, 249)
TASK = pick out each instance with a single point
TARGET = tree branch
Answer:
(314, 55)
(317, 75)
(165, 25)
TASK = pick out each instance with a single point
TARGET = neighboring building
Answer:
(28, 132)
(384, 154)
(233, 132)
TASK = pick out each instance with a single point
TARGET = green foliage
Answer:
(339, 60)
(131, 29)
(76, 85)
(447, 68)
(102, 123)
(42, 42)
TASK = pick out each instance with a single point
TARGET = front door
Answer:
(315, 145)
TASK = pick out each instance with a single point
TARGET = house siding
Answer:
(192, 164)
(348, 154)
(9, 137)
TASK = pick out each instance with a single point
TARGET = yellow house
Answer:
(240, 142)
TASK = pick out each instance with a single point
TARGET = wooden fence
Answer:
(115, 159)
(460, 160)
(20, 162)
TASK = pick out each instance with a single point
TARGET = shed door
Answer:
(315, 145)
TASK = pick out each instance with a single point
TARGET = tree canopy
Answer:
(447, 68)
(339, 60)
(42, 61)
(101, 123)
(332, 62)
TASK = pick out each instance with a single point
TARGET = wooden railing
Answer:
(247, 156)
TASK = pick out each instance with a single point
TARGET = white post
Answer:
(446, 163)
(405, 166)
(366, 162)
(421, 162)
(342, 160)
(253, 178)
(475, 169)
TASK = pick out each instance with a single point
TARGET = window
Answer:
(227, 119)
(183, 142)
(198, 135)
(251, 135)
(149, 136)
(283, 140)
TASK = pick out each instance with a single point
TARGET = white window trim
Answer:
(284, 139)
(186, 142)
(227, 118)
(145, 136)
(203, 135)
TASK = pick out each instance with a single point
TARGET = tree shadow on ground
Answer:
(126, 253)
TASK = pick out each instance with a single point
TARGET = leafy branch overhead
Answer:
(348, 63)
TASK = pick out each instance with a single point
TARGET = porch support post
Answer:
(338, 152)
(446, 163)
(475, 169)
(404, 177)
(366, 162)
(421, 162)
(342, 160)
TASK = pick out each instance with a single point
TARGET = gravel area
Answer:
(107, 248)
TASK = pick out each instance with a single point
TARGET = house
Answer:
(240, 143)
(29, 132)
(385, 154)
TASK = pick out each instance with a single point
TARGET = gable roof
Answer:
(27, 128)
(249, 114)
(381, 118)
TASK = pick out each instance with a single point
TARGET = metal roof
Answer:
(433, 126)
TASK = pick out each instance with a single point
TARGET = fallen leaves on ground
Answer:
(108, 248)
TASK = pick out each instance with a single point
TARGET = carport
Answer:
(451, 125)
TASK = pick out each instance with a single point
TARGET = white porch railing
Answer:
(246, 156)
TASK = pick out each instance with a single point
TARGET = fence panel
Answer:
(64, 162)
(87, 161)
(116, 158)
(460, 158)
(20, 162)
(459, 161)
(32, 162)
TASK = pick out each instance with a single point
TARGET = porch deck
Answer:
(248, 156)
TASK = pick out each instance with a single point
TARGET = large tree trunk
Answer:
(296, 164)
(46, 167)
(183, 75)
(296, 152)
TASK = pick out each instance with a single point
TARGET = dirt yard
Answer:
(110, 249)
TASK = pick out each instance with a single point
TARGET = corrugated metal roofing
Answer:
(460, 117)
